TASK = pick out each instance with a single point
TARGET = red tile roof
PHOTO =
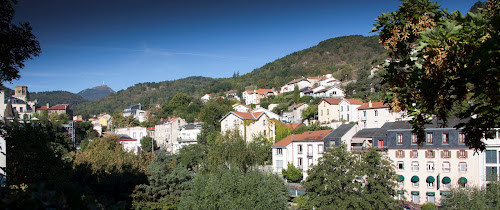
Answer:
(298, 105)
(353, 101)
(264, 91)
(247, 115)
(293, 126)
(306, 136)
(375, 105)
(151, 129)
(331, 100)
(56, 107)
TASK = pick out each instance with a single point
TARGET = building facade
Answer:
(429, 172)
(300, 150)
(188, 134)
(167, 132)
(249, 124)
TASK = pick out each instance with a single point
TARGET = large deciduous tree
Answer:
(444, 65)
(17, 43)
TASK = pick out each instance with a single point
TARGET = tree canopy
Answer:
(18, 44)
(444, 65)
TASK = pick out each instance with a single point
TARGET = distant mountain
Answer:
(95, 93)
(345, 58)
(57, 97)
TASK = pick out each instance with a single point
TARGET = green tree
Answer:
(296, 94)
(282, 107)
(380, 177)
(18, 43)
(282, 131)
(233, 189)
(210, 115)
(481, 198)
(292, 174)
(309, 112)
(167, 180)
(457, 60)
(146, 143)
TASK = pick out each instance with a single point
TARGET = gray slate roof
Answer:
(340, 131)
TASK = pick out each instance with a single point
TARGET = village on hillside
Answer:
(427, 172)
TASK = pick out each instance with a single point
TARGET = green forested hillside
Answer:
(57, 97)
(148, 94)
(344, 57)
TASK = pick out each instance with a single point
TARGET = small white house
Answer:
(301, 83)
(188, 134)
(241, 108)
(133, 132)
(301, 150)
(205, 98)
(130, 144)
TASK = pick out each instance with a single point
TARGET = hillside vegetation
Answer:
(96, 92)
(345, 57)
(57, 97)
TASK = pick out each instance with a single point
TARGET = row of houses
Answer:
(426, 172)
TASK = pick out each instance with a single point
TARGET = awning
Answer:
(446, 180)
(415, 179)
(357, 141)
(462, 180)
(415, 192)
(401, 178)
(430, 179)
(445, 192)
(430, 193)
(401, 192)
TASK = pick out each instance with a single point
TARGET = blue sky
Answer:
(124, 42)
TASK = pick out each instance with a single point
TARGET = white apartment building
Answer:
(249, 124)
(349, 109)
(188, 134)
(301, 150)
(241, 108)
(490, 159)
(429, 172)
(375, 114)
(132, 132)
(297, 111)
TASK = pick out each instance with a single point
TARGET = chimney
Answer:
(370, 103)
(47, 105)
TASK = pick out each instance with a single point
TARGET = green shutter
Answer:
(415, 179)
(462, 180)
(415, 192)
(430, 194)
(446, 180)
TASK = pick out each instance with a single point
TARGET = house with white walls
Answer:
(375, 114)
(349, 109)
(300, 150)
(167, 131)
(300, 83)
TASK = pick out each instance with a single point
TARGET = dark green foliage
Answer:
(310, 112)
(57, 97)
(17, 41)
(311, 127)
(210, 115)
(479, 198)
(119, 121)
(283, 107)
(36, 152)
(167, 181)
(342, 180)
(233, 189)
(457, 61)
(96, 92)
(429, 206)
(146, 142)
(292, 174)
(478, 5)
(84, 131)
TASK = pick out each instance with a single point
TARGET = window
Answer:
(264, 123)
(376, 113)
(299, 163)
(320, 148)
(310, 150)
(415, 184)
(341, 108)
(446, 139)
(309, 161)
(446, 154)
(401, 165)
(461, 138)
(462, 154)
(299, 147)
(430, 166)
(347, 108)
(400, 154)
(364, 113)
(399, 138)
(446, 166)
(133, 135)
(321, 112)
(462, 167)
(414, 199)
(430, 154)
(279, 151)
(430, 184)
(413, 139)
(431, 199)
(279, 165)
(364, 124)
(265, 133)
(328, 111)
(429, 138)
(414, 154)
(414, 166)
(20, 109)
(491, 156)
(491, 173)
